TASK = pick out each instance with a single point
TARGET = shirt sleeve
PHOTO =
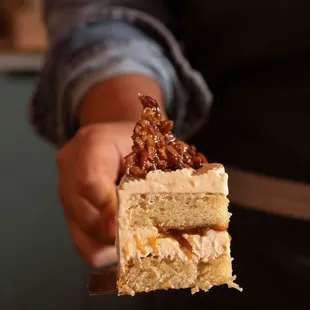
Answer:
(91, 41)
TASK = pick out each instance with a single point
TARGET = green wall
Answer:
(39, 268)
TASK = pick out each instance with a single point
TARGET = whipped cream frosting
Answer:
(211, 178)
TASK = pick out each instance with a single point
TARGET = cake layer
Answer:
(178, 211)
(172, 230)
(211, 178)
(145, 242)
(152, 273)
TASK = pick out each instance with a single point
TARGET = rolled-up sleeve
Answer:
(91, 41)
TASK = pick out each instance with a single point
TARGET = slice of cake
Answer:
(173, 213)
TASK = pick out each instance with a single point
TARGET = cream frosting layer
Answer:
(211, 178)
(147, 242)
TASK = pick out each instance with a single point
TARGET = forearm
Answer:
(94, 41)
(116, 99)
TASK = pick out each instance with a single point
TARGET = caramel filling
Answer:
(184, 238)
(201, 231)
(184, 244)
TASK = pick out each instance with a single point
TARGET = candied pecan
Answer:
(192, 150)
(139, 143)
(152, 130)
(170, 137)
(138, 129)
(148, 102)
(181, 147)
(150, 165)
(161, 164)
(130, 159)
(166, 126)
(173, 158)
(156, 139)
(199, 160)
(155, 146)
(136, 171)
(150, 146)
(172, 151)
(148, 114)
(144, 123)
(161, 140)
(187, 159)
(162, 154)
(143, 136)
(143, 159)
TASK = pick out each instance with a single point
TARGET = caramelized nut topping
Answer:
(155, 147)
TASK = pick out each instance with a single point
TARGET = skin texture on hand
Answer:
(91, 162)
(88, 168)
(116, 99)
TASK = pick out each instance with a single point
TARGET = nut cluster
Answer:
(155, 147)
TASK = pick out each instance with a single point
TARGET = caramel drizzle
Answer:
(140, 245)
(152, 242)
(176, 235)
(201, 231)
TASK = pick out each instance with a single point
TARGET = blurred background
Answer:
(39, 268)
(22, 35)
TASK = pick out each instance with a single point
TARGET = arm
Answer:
(100, 57)
(95, 109)
(91, 43)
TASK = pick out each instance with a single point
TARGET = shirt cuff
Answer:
(82, 47)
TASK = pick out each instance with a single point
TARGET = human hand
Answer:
(89, 164)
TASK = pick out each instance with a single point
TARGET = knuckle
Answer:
(85, 185)
(88, 222)
(90, 182)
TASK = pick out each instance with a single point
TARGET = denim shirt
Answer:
(91, 41)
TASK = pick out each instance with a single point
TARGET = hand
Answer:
(89, 165)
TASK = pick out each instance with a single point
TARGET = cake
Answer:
(172, 216)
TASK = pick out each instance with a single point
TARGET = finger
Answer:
(94, 253)
(96, 173)
(97, 163)
(98, 225)
(98, 189)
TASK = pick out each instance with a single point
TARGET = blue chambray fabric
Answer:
(91, 41)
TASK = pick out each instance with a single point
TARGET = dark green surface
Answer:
(39, 269)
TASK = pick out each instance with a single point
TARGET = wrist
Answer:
(116, 99)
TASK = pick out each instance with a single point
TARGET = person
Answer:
(234, 75)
